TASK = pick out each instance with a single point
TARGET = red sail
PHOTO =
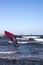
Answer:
(11, 36)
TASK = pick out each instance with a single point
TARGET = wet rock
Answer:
(14, 61)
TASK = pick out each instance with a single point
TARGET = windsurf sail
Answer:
(11, 36)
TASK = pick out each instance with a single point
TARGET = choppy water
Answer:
(23, 54)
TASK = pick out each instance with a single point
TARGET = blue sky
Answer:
(21, 16)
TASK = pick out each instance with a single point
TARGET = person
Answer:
(14, 41)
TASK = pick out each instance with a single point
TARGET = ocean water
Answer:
(22, 54)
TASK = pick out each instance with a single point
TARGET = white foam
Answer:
(23, 42)
(8, 52)
(39, 39)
